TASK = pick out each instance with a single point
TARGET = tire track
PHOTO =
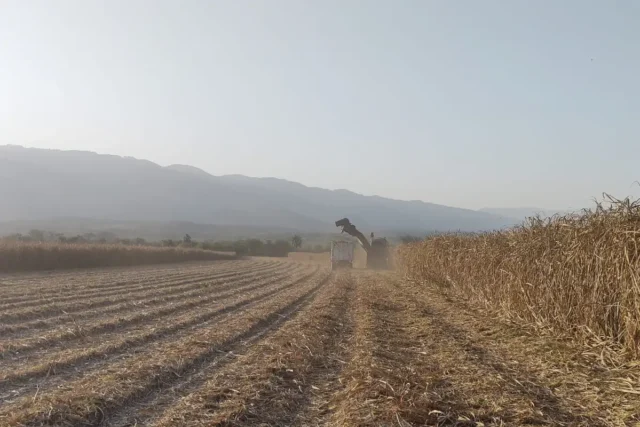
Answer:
(386, 380)
(410, 368)
(13, 384)
(93, 398)
(285, 379)
(110, 324)
(524, 398)
(148, 300)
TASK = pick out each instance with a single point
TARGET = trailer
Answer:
(342, 254)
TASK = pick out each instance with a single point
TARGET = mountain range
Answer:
(38, 184)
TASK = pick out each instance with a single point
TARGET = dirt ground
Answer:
(266, 342)
(311, 257)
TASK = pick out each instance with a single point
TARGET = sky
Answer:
(468, 103)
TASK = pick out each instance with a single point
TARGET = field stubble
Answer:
(274, 343)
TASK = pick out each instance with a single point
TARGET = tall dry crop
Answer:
(577, 273)
(21, 256)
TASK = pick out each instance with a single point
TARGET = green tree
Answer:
(296, 242)
(36, 235)
(280, 248)
(240, 248)
(255, 247)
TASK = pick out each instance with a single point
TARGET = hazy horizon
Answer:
(475, 105)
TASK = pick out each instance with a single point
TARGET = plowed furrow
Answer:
(384, 379)
(72, 295)
(98, 276)
(53, 282)
(81, 304)
(286, 379)
(77, 332)
(83, 359)
(51, 290)
(124, 289)
(84, 312)
(99, 396)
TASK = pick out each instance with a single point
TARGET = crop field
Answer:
(265, 342)
(40, 256)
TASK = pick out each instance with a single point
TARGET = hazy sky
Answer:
(466, 103)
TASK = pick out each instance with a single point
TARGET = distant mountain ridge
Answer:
(38, 184)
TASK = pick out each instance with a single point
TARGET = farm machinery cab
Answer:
(377, 250)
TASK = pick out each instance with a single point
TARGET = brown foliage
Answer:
(578, 274)
(26, 256)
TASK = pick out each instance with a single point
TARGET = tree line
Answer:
(249, 247)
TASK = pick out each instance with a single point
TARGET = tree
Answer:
(255, 247)
(76, 239)
(187, 240)
(208, 246)
(17, 237)
(296, 242)
(240, 248)
(36, 235)
(280, 248)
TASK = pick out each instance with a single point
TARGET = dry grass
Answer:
(285, 379)
(293, 345)
(21, 256)
(66, 358)
(109, 323)
(577, 274)
(37, 316)
(88, 399)
(423, 359)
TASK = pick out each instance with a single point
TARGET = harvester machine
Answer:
(377, 250)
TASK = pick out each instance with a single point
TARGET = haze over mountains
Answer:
(519, 214)
(38, 184)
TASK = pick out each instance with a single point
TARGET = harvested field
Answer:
(278, 343)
